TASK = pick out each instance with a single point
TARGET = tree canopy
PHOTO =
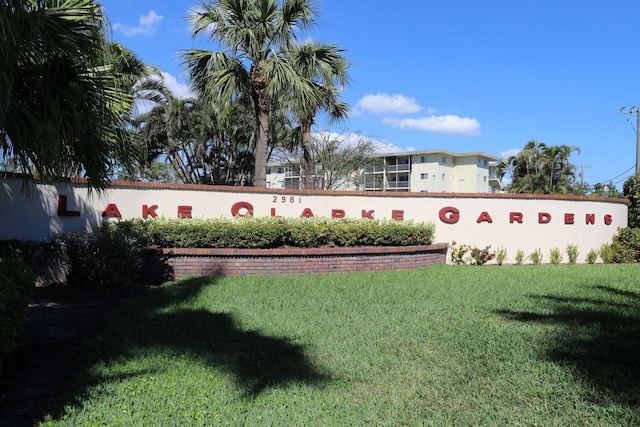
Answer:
(63, 103)
(540, 168)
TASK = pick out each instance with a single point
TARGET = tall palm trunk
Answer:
(307, 155)
(262, 142)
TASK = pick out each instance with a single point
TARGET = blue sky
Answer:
(461, 75)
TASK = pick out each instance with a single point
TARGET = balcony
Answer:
(372, 169)
(397, 168)
(395, 185)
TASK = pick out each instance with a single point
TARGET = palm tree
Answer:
(62, 104)
(324, 71)
(255, 35)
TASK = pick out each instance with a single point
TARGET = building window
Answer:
(444, 175)
(485, 178)
(424, 176)
(486, 163)
(281, 170)
(444, 160)
(268, 171)
(268, 183)
(424, 159)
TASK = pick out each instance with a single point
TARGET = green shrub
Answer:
(16, 286)
(482, 256)
(555, 256)
(519, 256)
(572, 253)
(459, 253)
(501, 255)
(606, 253)
(267, 232)
(592, 256)
(106, 258)
(536, 256)
(626, 245)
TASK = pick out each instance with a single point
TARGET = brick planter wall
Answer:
(174, 263)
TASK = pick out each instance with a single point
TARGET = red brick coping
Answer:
(174, 263)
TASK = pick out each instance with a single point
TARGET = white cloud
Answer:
(179, 90)
(509, 153)
(383, 103)
(147, 25)
(449, 124)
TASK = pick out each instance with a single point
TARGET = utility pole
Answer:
(582, 167)
(635, 110)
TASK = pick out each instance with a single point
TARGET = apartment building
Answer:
(416, 171)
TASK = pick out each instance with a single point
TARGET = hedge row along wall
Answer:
(170, 264)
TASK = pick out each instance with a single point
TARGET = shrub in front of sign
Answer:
(572, 253)
(501, 255)
(626, 245)
(269, 232)
(555, 256)
(536, 256)
(17, 281)
(592, 256)
(106, 258)
(606, 253)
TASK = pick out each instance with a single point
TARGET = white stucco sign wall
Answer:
(514, 222)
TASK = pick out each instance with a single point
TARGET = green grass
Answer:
(443, 346)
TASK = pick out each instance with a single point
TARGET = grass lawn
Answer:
(444, 346)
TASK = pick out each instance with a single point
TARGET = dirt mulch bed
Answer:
(34, 376)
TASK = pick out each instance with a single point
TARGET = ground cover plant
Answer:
(445, 345)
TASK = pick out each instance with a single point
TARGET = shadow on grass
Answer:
(597, 337)
(161, 321)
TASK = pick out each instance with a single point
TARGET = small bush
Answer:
(501, 255)
(572, 253)
(626, 245)
(482, 256)
(592, 256)
(459, 253)
(519, 256)
(106, 258)
(606, 253)
(536, 256)
(555, 256)
(17, 281)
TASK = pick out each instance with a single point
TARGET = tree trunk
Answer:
(307, 154)
(262, 144)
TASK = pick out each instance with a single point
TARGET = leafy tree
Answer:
(325, 72)
(62, 102)
(631, 191)
(255, 36)
(540, 168)
(605, 190)
(341, 157)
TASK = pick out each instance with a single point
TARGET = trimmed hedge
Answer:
(267, 232)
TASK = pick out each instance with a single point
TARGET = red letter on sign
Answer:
(149, 210)
(397, 215)
(62, 207)
(544, 218)
(235, 209)
(306, 213)
(569, 218)
(484, 217)
(367, 214)
(111, 210)
(515, 217)
(184, 211)
(273, 213)
(337, 213)
(608, 219)
(590, 219)
(449, 215)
